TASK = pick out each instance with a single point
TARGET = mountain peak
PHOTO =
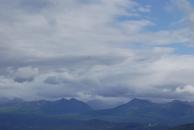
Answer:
(68, 100)
(138, 101)
(74, 100)
(178, 103)
(135, 102)
(62, 100)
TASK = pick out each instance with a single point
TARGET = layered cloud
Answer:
(95, 50)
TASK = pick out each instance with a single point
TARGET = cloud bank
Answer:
(102, 50)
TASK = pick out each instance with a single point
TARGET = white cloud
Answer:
(85, 49)
(186, 89)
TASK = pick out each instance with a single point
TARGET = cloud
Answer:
(92, 50)
(186, 89)
(186, 8)
(24, 74)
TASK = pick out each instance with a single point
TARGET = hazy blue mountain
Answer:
(34, 122)
(58, 107)
(144, 111)
(184, 127)
(64, 106)
(140, 111)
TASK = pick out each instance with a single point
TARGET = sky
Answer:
(98, 51)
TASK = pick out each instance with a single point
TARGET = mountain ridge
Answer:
(136, 110)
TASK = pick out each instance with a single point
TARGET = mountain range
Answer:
(137, 114)
(184, 127)
(144, 111)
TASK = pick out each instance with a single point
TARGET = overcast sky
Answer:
(97, 50)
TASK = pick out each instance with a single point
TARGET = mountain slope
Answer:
(137, 110)
(144, 111)
(34, 122)
(184, 127)
(58, 107)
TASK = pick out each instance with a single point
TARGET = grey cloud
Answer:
(52, 80)
(76, 48)
(114, 91)
(24, 74)
(35, 5)
(21, 79)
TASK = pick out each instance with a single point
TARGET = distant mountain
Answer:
(58, 107)
(7, 102)
(138, 110)
(34, 122)
(184, 127)
(64, 106)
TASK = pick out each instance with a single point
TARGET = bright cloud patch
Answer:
(186, 89)
(96, 50)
